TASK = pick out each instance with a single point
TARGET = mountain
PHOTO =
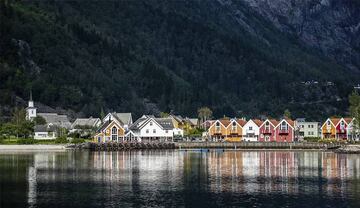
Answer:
(148, 56)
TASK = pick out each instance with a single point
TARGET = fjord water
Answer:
(179, 179)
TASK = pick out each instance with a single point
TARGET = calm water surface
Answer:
(179, 179)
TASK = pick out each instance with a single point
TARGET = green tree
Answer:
(38, 120)
(287, 113)
(21, 126)
(164, 115)
(204, 113)
(354, 100)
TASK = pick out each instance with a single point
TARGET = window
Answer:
(283, 126)
(233, 127)
(217, 126)
(147, 131)
(166, 131)
(250, 128)
(154, 131)
(328, 123)
(151, 123)
(114, 130)
(267, 126)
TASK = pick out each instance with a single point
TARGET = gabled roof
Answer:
(272, 122)
(224, 122)
(106, 124)
(44, 128)
(165, 123)
(335, 121)
(258, 122)
(55, 119)
(125, 118)
(348, 120)
(136, 125)
(290, 122)
(193, 121)
(241, 122)
(85, 122)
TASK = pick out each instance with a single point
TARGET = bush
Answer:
(26, 141)
(77, 141)
(61, 140)
(312, 139)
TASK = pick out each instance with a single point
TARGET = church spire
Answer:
(31, 99)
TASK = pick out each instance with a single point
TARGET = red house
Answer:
(284, 131)
(341, 128)
(267, 130)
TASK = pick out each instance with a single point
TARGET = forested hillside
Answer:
(149, 56)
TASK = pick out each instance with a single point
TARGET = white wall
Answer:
(247, 130)
(44, 135)
(148, 130)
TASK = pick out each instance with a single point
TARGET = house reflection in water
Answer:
(111, 174)
(281, 172)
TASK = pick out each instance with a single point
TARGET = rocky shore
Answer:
(349, 149)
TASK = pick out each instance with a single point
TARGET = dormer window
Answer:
(283, 126)
(234, 126)
(267, 125)
(217, 126)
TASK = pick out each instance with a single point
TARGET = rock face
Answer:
(332, 26)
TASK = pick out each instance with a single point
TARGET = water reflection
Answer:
(179, 178)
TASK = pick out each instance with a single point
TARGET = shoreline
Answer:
(32, 147)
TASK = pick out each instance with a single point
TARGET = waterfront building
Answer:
(267, 130)
(125, 119)
(227, 130)
(306, 129)
(45, 132)
(110, 130)
(353, 133)
(285, 131)
(251, 130)
(335, 128)
(151, 129)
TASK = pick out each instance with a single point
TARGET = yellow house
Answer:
(228, 130)
(234, 130)
(328, 129)
(218, 129)
(110, 131)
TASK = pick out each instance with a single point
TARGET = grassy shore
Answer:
(30, 141)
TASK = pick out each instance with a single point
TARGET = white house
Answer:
(251, 130)
(353, 134)
(306, 129)
(150, 129)
(45, 132)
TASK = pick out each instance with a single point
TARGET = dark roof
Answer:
(44, 128)
(165, 123)
(103, 126)
(136, 125)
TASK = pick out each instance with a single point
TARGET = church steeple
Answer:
(31, 102)
(30, 110)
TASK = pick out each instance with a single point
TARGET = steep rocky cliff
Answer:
(331, 26)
